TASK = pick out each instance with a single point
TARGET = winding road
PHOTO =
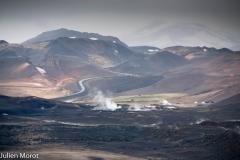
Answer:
(80, 83)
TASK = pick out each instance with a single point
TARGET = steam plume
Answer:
(105, 103)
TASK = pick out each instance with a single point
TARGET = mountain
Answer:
(53, 65)
(98, 52)
(2, 42)
(235, 47)
(51, 35)
(163, 35)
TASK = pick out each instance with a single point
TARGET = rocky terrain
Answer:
(36, 125)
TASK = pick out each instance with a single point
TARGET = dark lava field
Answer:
(207, 132)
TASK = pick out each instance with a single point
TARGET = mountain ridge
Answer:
(54, 34)
(57, 64)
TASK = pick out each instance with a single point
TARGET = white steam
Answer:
(201, 120)
(105, 103)
(166, 103)
(138, 107)
(171, 107)
(237, 129)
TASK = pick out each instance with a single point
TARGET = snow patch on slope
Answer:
(41, 70)
(93, 38)
(151, 50)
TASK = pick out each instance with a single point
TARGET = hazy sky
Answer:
(23, 19)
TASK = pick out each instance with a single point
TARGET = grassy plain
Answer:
(148, 97)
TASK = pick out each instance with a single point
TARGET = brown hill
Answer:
(21, 78)
(16, 68)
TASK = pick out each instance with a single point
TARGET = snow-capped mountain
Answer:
(163, 35)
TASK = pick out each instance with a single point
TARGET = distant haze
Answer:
(25, 19)
(163, 35)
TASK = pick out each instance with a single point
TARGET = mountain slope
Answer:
(208, 80)
(155, 63)
(16, 67)
(167, 60)
(97, 52)
(138, 65)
